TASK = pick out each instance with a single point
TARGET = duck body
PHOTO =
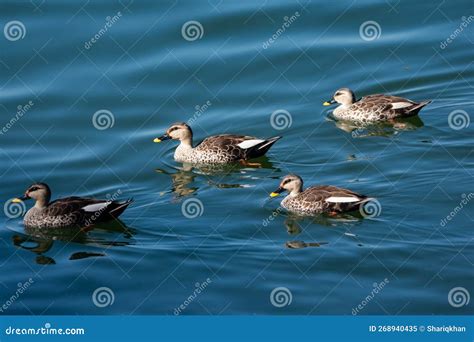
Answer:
(323, 199)
(67, 212)
(74, 211)
(317, 199)
(217, 149)
(373, 108)
(225, 148)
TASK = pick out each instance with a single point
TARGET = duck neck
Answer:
(348, 102)
(186, 143)
(42, 203)
(295, 192)
(184, 149)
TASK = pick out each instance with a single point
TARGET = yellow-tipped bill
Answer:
(16, 200)
(274, 194)
(162, 138)
(326, 103)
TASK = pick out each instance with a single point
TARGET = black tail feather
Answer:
(120, 208)
(262, 148)
(415, 109)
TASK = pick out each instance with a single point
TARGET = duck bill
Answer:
(277, 192)
(162, 138)
(328, 103)
(20, 199)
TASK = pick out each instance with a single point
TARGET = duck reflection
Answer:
(294, 223)
(302, 244)
(181, 181)
(183, 178)
(40, 241)
(384, 129)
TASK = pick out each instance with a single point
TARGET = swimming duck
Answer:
(372, 108)
(317, 199)
(69, 211)
(217, 149)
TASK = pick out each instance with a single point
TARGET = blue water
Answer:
(230, 78)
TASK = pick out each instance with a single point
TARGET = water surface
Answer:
(242, 67)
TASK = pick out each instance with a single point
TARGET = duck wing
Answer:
(86, 207)
(223, 140)
(238, 146)
(382, 98)
(69, 205)
(397, 104)
(332, 198)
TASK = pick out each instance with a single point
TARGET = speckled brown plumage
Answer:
(312, 200)
(69, 211)
(217, 149)
(373, 108)
(317, 199)
(224, 148)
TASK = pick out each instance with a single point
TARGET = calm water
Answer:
(231, 77)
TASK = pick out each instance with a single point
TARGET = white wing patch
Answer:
(96, 207)
(336, 199)
(250, 143)
(399, 105)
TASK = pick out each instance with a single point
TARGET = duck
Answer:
(317, 199)
(372, 108)
(217, 149)
(69, 211)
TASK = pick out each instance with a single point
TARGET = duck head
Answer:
(344, 96)
(291, 183)
(178, 131)
(40, 192)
